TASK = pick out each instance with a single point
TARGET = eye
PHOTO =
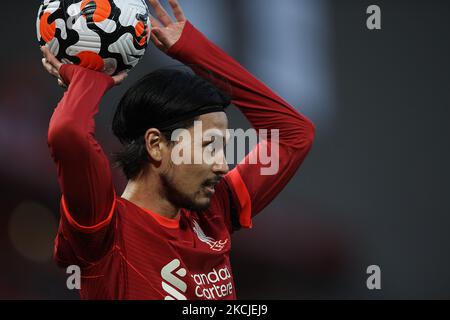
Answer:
(210, 148)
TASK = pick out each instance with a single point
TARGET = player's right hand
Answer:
(53, 65)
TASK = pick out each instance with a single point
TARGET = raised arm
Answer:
(83, 169)
(264, 109)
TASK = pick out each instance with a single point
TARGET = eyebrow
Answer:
(224, 138)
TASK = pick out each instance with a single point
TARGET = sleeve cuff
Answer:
(241, 198)
(68, 71)
(87, 229)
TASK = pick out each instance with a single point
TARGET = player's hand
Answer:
(53, 65)
(165, 32)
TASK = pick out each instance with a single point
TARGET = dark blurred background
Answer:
(374, 190)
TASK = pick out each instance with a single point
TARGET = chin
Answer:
(201, 205)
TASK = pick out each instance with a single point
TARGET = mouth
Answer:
(210, 190)
(210, 187)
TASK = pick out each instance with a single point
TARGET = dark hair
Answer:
(166, 99)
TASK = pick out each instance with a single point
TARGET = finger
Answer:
(119, 78)
(155, 41)
(155, 22)
(51, 58)
(50, 69)
(62, 84)
(177, 10)
(161, 13)
(161, 37)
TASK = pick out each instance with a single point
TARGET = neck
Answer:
(145, 193)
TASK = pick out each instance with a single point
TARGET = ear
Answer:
(154, 141)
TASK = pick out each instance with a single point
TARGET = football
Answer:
(104, 35)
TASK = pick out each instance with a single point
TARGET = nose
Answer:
(220, 167)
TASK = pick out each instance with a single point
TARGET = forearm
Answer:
(83, 168)
(262, 107)
(252, 189)
(80, 104)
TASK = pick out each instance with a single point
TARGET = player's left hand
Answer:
(165, 32)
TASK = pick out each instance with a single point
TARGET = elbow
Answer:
(63, 135)
(299, 135)
(305, 133)
(311, 132)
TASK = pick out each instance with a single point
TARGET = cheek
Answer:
(188, 177)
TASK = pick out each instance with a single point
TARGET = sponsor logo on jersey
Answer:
(172, 281)
(216, 284)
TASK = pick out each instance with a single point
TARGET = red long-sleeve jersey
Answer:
(127, 252)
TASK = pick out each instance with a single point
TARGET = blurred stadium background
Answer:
(374, 190)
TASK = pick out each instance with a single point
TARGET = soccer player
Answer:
(168, 235)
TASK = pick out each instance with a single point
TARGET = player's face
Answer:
(191, 185)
